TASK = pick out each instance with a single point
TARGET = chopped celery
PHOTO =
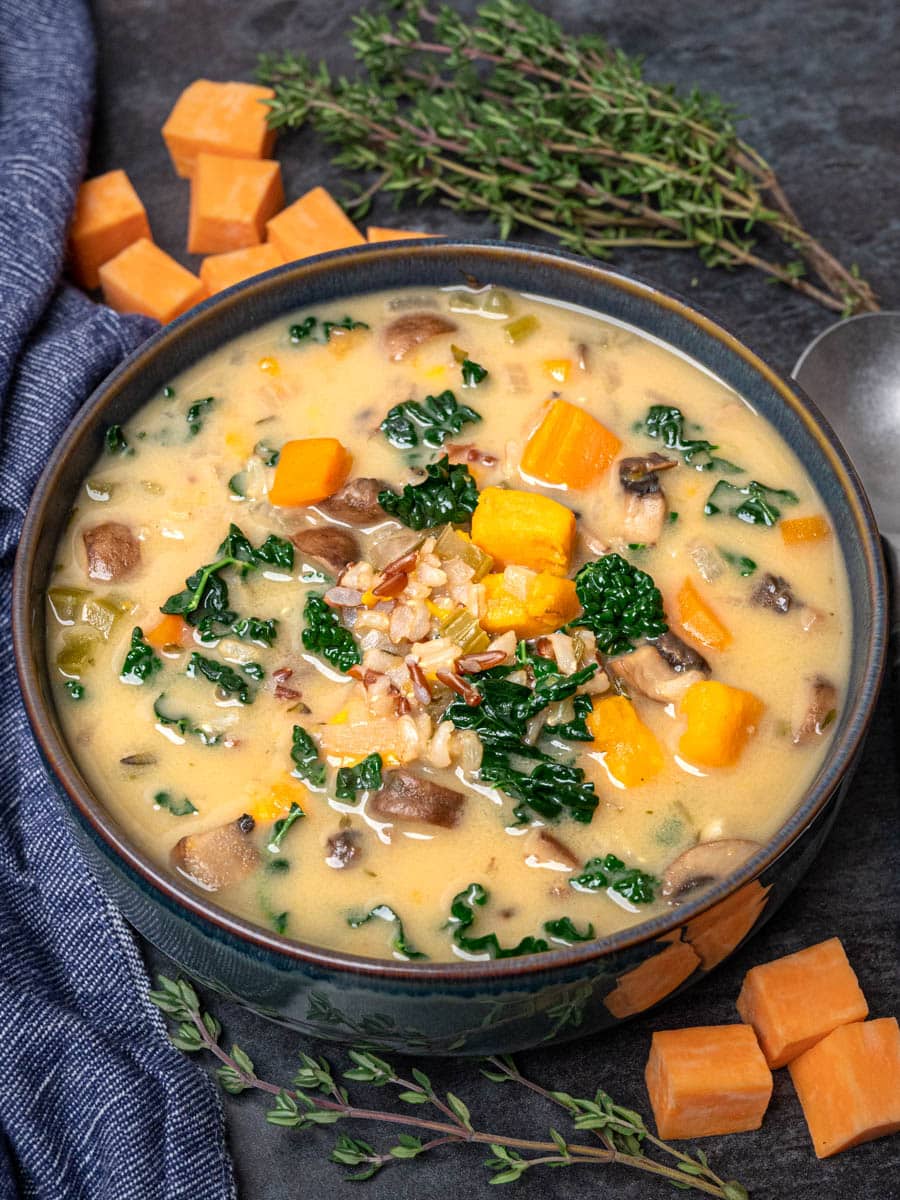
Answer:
(490, 303)
(76, 655)
(518, 330)
(66, 603)
(101, 614)
(451, 544)
(462, 628)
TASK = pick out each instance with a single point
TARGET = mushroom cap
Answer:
(704, 864)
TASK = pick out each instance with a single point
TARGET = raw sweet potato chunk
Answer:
(524, 529)
(633, 755)
(708, 1080)
(377, 233)
(569, 447)
(108, 217)
(794, 1001)
(699, 621)
(144, 279)
(652, 980)
(231, 200)
(720, 719)
(221, 271)
(309, 470)
(311, 225)
(548, 603)
(849, 1085)
(222, 118)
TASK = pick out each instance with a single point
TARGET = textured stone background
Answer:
(818, 82)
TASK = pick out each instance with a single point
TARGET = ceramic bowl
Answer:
(465, 1007)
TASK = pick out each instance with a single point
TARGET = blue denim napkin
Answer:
(94, 1102)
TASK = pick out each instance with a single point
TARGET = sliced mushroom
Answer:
(408, 797)
(405, 333)
(545, 850)
(220, 857)
(356, 503)
(645, 502)
(112, 551)
(814, 709)
(703, 865)
(344, 849)
(662, 669)
(641, 474)
(327, 547)
(775, 593)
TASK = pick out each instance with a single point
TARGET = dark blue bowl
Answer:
(458, 1008)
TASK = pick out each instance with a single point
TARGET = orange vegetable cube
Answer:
(633, 755)
(231, 200)
(569, 447)
(309, 470)
(221, 271)
(699, 621)
(144, 279)
(652, 980)
(108, 217)
(720, 719)
(800, 530)
(549, 602)
(377, 233)
(311, 225)
(794, 1001)
(558, 368)
(221, 118)
(170, 631)
(716, 932)
(849, 1085)
(708, 1080)
(524, 529)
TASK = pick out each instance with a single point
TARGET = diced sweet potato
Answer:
(699, 621)
(849, 1085)
(108, 217)
(221, 118)
(377, 233)
(569, 447)
(720, 719)
(312, 225)
(231, 200)
(549, 603)
(170, 631)
(801, 530)
(221, 271)
(716, 932)
(633, 755)
(309, 470)
(794, 1001)
(652, 980)
(708, 1080)
(524, 529)
(144, 279)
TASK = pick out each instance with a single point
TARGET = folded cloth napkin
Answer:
(94, 1102)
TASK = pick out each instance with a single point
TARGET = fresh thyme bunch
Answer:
(508, 115)
(317, 1098)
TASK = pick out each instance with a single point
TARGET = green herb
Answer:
(253, 629)
(75, 689)
(140, 662)
(364, 777)
(666, 423)
(462, 916)
(185, 725)
(178, 808)
(281, 826)
(448, 494)
(278, 866)
(564, 930)
(673, 517)
(115, 441)
(324, 634)
(197, 413)
(269, 456)
(255, 671)
(169, 392)
(610, 872)
(741, 563)
(317, 1097)
(222, 675)
(473, 373)
(621, 604)
(274, 551)
(312, 329)
(437, 416)
(399, 944)
(575, 730)
(305, 758)
(755, 509)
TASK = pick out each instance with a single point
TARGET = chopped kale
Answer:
(437, 417)
(610, 872)
(75, 689)
(281, 826)
(222, 675)
(253, 629)
(169, 392)
(564, 930)
(666, 423)
(312, 329)
(742, 564)
(462, 916)
(364, 777)
(254, 670)
(274, 551)
(197, 413)
(621, 603)
(178, 808)
(473, 373)
(447, 494)
(185, 725)
(115, 441)
(399, 944)
(324, 634)
(305, 757)
(551, 790)
(140, 662)
(755, 508)
(575, 730)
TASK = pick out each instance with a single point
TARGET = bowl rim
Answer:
(176, 895)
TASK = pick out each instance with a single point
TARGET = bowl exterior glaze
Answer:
(458, 1008)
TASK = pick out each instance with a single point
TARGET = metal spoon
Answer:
(852, 372)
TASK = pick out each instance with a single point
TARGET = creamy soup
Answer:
(452, 624)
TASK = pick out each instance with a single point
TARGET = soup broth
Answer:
(448, 624)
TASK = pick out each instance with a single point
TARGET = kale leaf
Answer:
(437, 417)
(575, 730)
(756, 508)
(115, 441)
(312, 329)
(178, 808)
(564, 929)
(740, 562)
(222, 675)
(324, 634)
(621, 603)
(252, 629)
(196, 414)
(666, 423)
(473, 373)
(364, 777)
(283, 824)
(75, 689)
(185, 725)
(447, 494)
(462, 916)
(140, 662)
(610, 872)
(305, 758)
(399, 944)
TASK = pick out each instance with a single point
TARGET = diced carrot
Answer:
(548, 603)
(221, 271)
(720, 719)
(558, 368)
(804, 529)
(708, 1080)
(231, 200)
(699, 621)
(524, 529)
(849, 1085)
(632, 753)
(221, 118)
(716, 932)
(312, 225)
(170, 631)
(144, 279)
(569, 447)
(794, 1001)
(377, 233)
(309, 470)
(108, 217)
(652, 980)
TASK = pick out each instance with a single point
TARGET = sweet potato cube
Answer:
(720, 719)
(794, 1001)
(377, 233)
(699, 621)
(108, 217)
(309, 470)
(524, 529)
(849, 1085)
(144, 279)
(801, 530)
(632, 753)
(231, 200)
(548, 603)
(311, 225)
(711, 1079)
(221, 271)
(569, 447)
(222, 118)
(652, 980)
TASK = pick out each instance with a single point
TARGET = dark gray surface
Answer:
(818, 82)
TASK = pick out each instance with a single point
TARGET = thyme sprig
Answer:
(316, 1097)
(507, 114)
